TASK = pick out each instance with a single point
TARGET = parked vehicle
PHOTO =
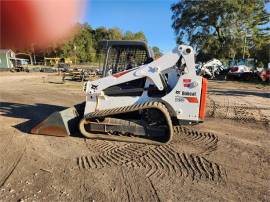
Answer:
(211, 69)
(243, 69)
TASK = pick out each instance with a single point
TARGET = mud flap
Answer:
(63, 123)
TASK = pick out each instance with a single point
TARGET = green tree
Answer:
(139, 36)
(134, 36)
(115, 34)
(128, 35)
(157, 51)
(84, 45)
(81, 45)
(221, 28)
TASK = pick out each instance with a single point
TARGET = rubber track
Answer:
(156, 161)
(195, 137)
(136, 107)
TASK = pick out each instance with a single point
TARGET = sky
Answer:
(153, 17)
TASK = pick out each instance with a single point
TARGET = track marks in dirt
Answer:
(9, 170)
(11, 154)
(154, 161)
(164, 161)
(114, 154)
(211, 107)
(206, 140)
(245, 112)
(137, 188)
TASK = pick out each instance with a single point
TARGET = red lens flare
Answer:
(38, 22)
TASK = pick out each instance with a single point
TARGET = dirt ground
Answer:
(226, 158)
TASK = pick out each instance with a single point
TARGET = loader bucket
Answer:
(63, 123)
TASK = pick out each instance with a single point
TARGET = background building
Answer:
(5, 58)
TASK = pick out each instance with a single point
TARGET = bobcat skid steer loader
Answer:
(139, 104)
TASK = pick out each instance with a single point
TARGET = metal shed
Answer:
(5, 56)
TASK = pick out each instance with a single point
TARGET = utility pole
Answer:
(74, 52)
(34, 54)
(244, 48)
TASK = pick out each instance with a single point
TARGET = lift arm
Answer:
(151, 71)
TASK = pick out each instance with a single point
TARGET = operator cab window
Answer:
(122, 58)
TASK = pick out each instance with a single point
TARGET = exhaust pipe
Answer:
(61, 124)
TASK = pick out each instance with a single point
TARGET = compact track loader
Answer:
(139, 104)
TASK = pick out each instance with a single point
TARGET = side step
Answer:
(61, 123)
